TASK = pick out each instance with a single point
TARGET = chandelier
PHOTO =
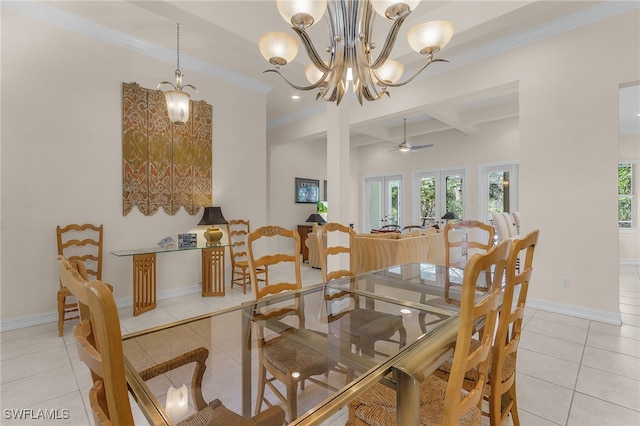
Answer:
(351, 59)
(177, 100)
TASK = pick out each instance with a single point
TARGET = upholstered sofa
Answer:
(382, 250)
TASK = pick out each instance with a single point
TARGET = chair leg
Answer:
(514, 406)
(292, 400)
(262, 376)
(61, 303)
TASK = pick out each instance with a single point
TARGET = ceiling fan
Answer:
(404, 146)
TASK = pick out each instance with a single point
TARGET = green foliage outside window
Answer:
(625, 195)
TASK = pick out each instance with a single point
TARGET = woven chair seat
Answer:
(377, 406)
(289, 356)
(471, 377)
(371, 325)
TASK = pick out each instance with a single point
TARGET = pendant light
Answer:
(177, 100)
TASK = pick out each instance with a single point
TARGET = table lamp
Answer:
(316, 218)
(450, 216)
(212, 216)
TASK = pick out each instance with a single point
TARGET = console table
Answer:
(144, 273)
(304, 231)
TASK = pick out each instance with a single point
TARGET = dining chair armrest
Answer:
(199, 356)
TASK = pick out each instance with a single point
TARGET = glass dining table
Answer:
(413, 292)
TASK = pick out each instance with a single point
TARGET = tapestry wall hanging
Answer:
(164, 164)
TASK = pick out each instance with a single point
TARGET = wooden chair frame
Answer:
(72, 249)
(237, 231)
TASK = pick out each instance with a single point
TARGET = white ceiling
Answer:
(220, 38)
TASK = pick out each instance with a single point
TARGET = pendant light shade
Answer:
(177, 99)
(177, 105)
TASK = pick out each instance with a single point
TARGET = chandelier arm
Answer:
(295, 86)
(390, 41)
(410, 79)
(190, 86)
(167, 82)
(311, 50)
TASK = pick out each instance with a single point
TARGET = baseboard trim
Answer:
(635, 262)
(29, 321)
(575, 311)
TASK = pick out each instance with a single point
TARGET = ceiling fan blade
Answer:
(415, 148)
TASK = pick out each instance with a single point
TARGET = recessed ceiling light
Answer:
(295, 97)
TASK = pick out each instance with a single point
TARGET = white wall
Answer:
(62, 161)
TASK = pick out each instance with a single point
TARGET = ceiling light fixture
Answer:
(351, 61)
(177, 100)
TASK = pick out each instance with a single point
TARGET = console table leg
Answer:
(144, 283)
(213, 271)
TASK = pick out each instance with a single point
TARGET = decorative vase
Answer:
(213, 235)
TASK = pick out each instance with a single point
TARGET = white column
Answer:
(338, 178)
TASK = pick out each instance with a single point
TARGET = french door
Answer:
(382, 201)
(440, 192)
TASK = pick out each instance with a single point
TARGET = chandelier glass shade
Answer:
(177, 99)
(351, 60)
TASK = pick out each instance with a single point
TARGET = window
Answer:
(440, 192)
(626, 196)
(498, 190)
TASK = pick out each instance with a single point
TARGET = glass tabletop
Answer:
(158, 249)
(331, 320)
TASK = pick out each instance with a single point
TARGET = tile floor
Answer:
(571, 371)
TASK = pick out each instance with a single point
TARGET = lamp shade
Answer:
(390, 8)
(390, 71)
(450, 215)
(212, 216)
(430, 36)
(278, 48)
(316, 218)
(301, 12)
(312, 73)
(177, 106)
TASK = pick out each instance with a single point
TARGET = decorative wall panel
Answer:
(165, 165)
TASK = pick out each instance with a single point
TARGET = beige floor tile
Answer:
(622, 345)
(67, 409)
(561, 331)
(38, 388)
(629, 319)
(630, 309)
(30, 344)
(35, 363)
(553, 346)
(562, 319)
(548, 368)
(609, 387)
(612, 362)
(623, 330)
(543, 399)
(36, 330)
(589, 411)
(633, 301)
(527, 418)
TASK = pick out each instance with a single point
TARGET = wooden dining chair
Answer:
(365, 326)
(280, 353)
(237, 231)
(78, 243)
(502, 375)
(448, 402)
(500, 387)
(99, 344)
